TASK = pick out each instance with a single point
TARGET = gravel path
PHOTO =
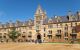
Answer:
(44, 46)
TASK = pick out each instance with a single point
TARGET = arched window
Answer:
(66, 34)
(4, 35)
(66, 27)
(44, 35)
(37, 27)
(50, 34)
(30, 34)
(71, 24)
(73, 30)
(44, 29)
(50, 31)
(58, 34)
(74, 34)
(0, 35)
(76, 24)
(59, 31)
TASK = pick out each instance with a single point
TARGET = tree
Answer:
(14, 34)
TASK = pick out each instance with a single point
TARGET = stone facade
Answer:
(55, 29)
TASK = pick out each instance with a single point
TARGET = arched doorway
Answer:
(39, 38)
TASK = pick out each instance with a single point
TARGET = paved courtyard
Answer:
(44, 46)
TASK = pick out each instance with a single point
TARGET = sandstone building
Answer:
(55, 29)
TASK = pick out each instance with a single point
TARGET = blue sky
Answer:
(25, 9)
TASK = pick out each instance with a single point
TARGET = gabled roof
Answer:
(64, 19)
(27, 22)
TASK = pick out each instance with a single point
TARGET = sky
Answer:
(23, 10)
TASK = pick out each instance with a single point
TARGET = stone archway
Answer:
(38, 36)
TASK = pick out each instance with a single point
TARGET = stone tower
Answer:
(40, 15)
